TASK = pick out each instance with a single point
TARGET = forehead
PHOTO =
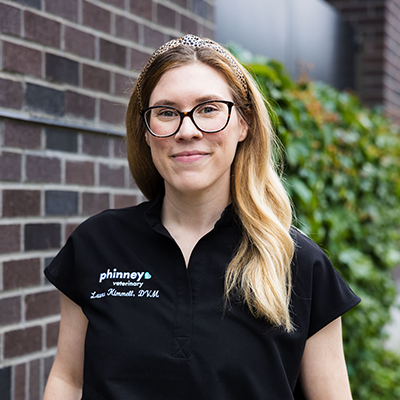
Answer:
(191, 83)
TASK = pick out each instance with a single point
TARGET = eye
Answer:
(166, 113)
(209, 108)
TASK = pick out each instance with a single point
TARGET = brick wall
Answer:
(64, 68)
(377, 23)
(391, 83)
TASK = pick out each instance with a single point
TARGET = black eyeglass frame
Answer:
(183, 114)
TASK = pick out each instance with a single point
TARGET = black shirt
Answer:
(159, 330)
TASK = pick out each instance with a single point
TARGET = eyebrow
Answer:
(197, 100)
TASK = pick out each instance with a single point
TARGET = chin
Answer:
(188, 185)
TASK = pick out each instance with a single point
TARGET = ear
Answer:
(243, 129)
(146, 136)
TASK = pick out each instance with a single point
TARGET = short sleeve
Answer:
(331, 295)
(322, 290)
(62, 272)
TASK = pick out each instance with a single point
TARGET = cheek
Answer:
(158, 150)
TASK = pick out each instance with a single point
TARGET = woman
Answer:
(205, 292)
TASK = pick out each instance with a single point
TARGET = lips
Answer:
(189, 156)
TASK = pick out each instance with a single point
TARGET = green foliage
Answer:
(342, 170)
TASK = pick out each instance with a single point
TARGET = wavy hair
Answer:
(260, 271)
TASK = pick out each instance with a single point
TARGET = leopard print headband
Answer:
(195, 42)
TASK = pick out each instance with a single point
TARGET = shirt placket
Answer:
(181, 344)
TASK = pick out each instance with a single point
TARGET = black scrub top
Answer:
(158, 330)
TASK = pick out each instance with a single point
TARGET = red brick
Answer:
(117, 3)
(79, 173)
(52, 334)
(189, 25)
(125, 200)
(22, 135)
(79, 42)
(79, 105)
(95, 145)
(112, 176)
(96, 78)
(62, 70)
(112, 112)
(34, 380)
(10, 310)
(43, 169)
(10, 20)
(42, 30)
(21, 273)
(69, 228)
(93, 203)
(153, 38)
(41, 305)
(11, 94)
(166, 16)
(66, 9)
(112, 53)
(138, 59)
(96, 17)
(122, 84)
(21, 59)
(19, 381)
(143, 8)
(9, 238)
(10, 166)
(126, 28)
(22, 341)
(181, 3)
(119, 147)
(21, 203)
(42, 236)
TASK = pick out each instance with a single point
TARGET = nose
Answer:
(188, 130)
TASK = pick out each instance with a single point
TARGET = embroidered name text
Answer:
(114, 274)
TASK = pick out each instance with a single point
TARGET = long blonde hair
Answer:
(260, 271)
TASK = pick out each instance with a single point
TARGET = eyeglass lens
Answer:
(208, 117)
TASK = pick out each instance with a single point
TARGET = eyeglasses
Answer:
(209, 117)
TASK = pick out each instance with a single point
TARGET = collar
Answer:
(153, 216)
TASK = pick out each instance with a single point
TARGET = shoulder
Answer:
(310, 263)
(305, 248)
(113, 219)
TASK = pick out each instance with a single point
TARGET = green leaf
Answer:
(342, 171)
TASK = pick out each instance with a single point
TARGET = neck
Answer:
(193, 211)
(188, 217)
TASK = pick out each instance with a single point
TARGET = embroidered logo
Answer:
(114, 274)
(120, 278)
